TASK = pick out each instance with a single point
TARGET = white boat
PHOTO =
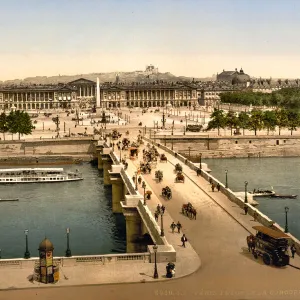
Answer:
(30, 175)
(262, 193)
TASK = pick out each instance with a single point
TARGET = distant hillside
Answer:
(126, 77)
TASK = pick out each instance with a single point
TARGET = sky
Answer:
(184, 37)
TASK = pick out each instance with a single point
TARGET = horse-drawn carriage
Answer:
(126, 142)
(189, 211)
(178, 168)
(166, 192)
(159, 175)
(163, 158)
(115, 134)
(148, 195)
(145, 168)
(179, 177)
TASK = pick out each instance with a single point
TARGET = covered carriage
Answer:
(179, 177)
(166, 192)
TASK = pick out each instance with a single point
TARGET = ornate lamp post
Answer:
(162, 232)
(68, 251)
(144, 187)
(163, 120)
(155, 276)
(226, 180)
(27, 253)
(120, 154)
(200, 162)
(246, 199)
(0, 253)
(286, 230)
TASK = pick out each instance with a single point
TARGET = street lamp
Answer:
(226, 182)
(0, 253)
(120, 154)
(286, 230)
(155, 276)
(68, 251)
(246, 199)
(144, 187)
(27, 253)
(162, 232)
(200, 162)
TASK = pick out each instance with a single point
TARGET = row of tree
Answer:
(255, 121)
(16, 122)
(288, 98)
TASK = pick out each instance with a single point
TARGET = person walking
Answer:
(158, 208)
(218, 187)
(163, 209)
(255, 215)
(183, 240)
(156, 216)
(293, 250)
(246, 209)
(213, 187)
(173, 226)
(179, 226)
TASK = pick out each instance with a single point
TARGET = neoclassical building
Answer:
(82, 93)
(234, 77)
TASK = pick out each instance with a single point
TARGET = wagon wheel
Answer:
(267, 259)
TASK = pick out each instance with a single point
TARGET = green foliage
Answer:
(293, 120)
(218, 120)
(256, 120)
(3, 124)
(19, 122)
(232, 121)
(281, 118)
(269, 120)
(288, 98)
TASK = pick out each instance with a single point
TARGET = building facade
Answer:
(234, 77)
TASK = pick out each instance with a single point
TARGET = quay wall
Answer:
(261, 218)
(232, 146)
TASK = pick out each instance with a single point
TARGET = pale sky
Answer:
(185, 37)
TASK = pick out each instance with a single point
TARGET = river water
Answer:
(47, 209)
(280, 173)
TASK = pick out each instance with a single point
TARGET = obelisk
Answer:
(98, 104)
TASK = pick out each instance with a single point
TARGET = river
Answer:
(280, 173)
(47, 209)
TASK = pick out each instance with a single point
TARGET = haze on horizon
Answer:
(194, 38)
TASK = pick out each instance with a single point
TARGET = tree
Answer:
(281, 118)
(256, 120)
(293, 120)
(3, 124)
(243, 120)
(269, 120)
(19, 122)
(218, 120)
(232, 120)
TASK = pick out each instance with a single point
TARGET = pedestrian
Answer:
(246, 209)
(183, 240)
(210, 180)
(156, 216)
(255, 215)
(173, 226)
(213, 187)
(218, 187)
(179, 226)
(163, 209)
(158, 208)
(293, 250)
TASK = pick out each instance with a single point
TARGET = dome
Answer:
(46, 245)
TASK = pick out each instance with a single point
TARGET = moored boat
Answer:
(37, 175)
(262, 193)
(284, 196)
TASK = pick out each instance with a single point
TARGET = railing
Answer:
(114, 158)
(128, 183)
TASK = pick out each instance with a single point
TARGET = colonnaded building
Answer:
(82, 93)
